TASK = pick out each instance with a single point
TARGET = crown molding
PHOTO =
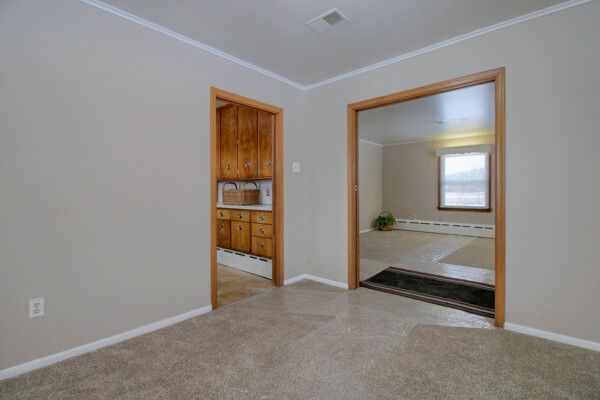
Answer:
(161, 29)
(370, 142)
(501, 25)
(449, 42)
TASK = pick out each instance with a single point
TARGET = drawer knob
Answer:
(261, 217)
(268, 162)
(240, 227)
(240, 215)
(221, 225)
(261, 230)
(261, 243)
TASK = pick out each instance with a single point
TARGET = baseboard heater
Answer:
(452, 228)
(245, 262)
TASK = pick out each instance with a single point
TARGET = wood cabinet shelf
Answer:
(245, 231)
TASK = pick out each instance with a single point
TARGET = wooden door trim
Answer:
(498, 77)
(278, 171)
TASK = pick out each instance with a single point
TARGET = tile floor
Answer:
(234, 285)
(427, 252)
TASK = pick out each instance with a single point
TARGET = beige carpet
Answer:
(309, 341)
(479, 253)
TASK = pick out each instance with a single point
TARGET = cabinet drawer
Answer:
(262, 230)
(262, 217)
(262, 247)
(223, 213)
(239, 215)
(240, 236)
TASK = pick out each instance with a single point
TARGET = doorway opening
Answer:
(427, 218)
(246, 197)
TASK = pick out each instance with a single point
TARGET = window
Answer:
(464, 181)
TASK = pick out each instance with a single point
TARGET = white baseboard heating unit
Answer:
(245, 262)
(452, 228)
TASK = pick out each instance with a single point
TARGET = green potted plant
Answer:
(385, 221)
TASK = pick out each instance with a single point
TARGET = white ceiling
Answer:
(464, 112)
(273, 35)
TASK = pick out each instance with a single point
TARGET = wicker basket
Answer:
(240, 197)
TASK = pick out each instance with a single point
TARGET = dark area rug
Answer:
(474, 297)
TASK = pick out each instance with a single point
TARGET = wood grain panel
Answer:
(266, 128)
(228, 142)
(262, 230)
(247, 142)
(262, 247)
(239, 215)
(223, 213)
(240, 236)
(223, 233)
(262, 217)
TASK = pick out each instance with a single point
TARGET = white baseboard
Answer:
(86, 348)
(555, 337)
(245, 262)
(315, 279)
(366, 230)
(450, 228)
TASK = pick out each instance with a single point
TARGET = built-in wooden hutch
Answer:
(245, 154)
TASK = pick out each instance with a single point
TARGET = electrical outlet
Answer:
(414, 217)
(36, 307)
(296, 167)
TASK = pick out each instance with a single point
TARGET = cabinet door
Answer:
(240, 236)
(224, 233)
(266, 127)
(228, 142)
(248, 142)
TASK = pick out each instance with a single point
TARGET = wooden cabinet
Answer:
(266, 128)
(228, 142)
(262, 217)
(262, 247)
(223, 233)
(245, 231)
(240, 236)
(239, 215)
(245, 141)
(222, 214)
(262, 230)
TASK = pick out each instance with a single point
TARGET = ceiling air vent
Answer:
(326, 21)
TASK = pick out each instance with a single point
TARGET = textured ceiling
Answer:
(458, 113)
(273, 35)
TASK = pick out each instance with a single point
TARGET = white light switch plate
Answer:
(296, 167)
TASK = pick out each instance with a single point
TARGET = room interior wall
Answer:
(105, 182)
(552, 165)
(370, 175)
(410, 181)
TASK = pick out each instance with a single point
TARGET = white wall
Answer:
(104, 174)
(369, 180)
(410, 180)
(553, 168)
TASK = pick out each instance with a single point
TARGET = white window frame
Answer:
(453, 152)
